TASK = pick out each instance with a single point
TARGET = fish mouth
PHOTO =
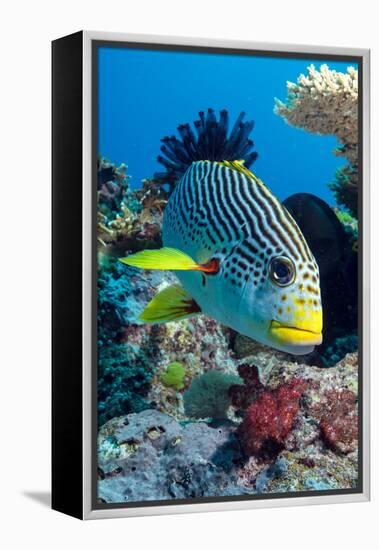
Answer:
(295, 336)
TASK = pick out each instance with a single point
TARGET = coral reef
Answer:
(312, 460)
(339, 348)
(112, 187)
(264, 358)
(126, 351)
(127, 220)
(199, 344)
(270, 418)
(150, 456)
(190, 409)
(316, 469)
(124, 375)
(174, 375)
(276, 470)
(122, 295)
(326, 102)
(208, 395)
(338, 419)
(345, 188)
(243, 395)
(350, 225)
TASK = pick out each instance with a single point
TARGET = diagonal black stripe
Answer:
(218, 179)
(275, 206)
(265, 195)
(204, 185)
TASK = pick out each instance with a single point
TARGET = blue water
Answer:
(144, 95)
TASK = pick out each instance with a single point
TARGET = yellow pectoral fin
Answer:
(165, 258)
(169, 259)
(171, 304)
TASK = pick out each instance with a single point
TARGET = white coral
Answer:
(325, 102)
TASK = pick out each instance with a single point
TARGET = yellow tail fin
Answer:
(171, 304)
(164, 258)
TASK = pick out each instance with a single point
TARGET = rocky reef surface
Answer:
(310, 444)
(152, 456)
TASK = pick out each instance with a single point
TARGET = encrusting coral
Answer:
(326, 102)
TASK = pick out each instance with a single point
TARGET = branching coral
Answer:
(114, 200)
(326, 102)
(127, 220)
(112, 186)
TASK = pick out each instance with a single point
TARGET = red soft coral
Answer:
(242, 395)
(270, 419)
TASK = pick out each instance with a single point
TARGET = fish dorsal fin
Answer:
(237, 165)
(171, 304)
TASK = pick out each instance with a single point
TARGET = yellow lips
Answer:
(295, 336)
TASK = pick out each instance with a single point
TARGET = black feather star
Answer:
(209, 141)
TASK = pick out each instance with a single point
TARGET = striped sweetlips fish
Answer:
(239, 255)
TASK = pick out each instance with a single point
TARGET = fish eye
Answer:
(282, 271)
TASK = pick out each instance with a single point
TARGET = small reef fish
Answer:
(239, 255)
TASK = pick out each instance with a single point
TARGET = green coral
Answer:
(208, 395)
(345, 189)
(174, 375)
(350, 225)
(346, 219)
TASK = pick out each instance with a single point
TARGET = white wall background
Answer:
(26, 30)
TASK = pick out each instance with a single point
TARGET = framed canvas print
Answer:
(210, 275)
